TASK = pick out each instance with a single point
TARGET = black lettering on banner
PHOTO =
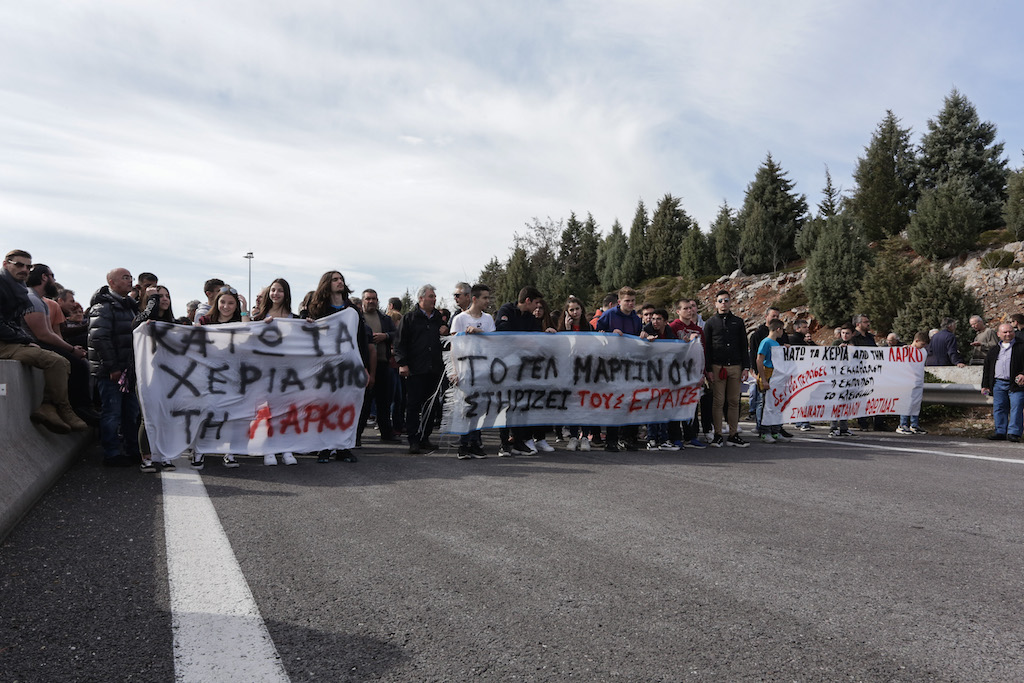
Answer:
(199, 337)
(182, 379)
(231, 341)
(248, 374)
(504, 370)
(674, 372)
(209, 423)
(215, 378)
(343, 337)
(188, 415)
(326, 376)
(158, 332)
(655, 371)
(472, 366)
(291, 377)
(582, 365)
(313, 330)
(270, 336)
(472, 404)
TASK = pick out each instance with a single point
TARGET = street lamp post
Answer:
(248, 256)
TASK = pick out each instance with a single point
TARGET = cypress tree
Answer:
(886, 178)
(613, 254)
(725, 238)
(834, 270)
(947, 221)
(935, 296)
(886, 285)
(669, 226)
(633, 271)
(1013, 212)
(697, 255)
(771, 217)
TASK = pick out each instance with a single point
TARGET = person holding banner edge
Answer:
(474, 320)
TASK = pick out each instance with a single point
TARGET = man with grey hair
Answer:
(463, 296)
(418, 354)
(985, 338)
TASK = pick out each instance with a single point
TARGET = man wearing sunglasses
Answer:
(727, 366)
(16, 343)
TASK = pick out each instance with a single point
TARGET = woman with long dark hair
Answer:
(228, 307)
(155, 305)
(276, 303)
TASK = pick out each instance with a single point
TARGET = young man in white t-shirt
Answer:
(474, 320)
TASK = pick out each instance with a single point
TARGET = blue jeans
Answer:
(1007, 407)
(910, 421)
(755, 403)
(119, 419)
(657, 432)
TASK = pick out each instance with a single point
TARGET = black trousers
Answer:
(381, 394)
(421, 411)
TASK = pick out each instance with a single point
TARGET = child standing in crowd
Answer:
(276, 302)
(842, 427)
(572, 321)
(773, 433)
(227, 307)
(155, 305)
(909, 424)
(657, 432)
(474, 321)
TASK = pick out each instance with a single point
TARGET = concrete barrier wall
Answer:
(32, 458)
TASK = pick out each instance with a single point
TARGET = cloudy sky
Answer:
(405, 142)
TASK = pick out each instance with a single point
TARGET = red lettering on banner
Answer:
(262, 415)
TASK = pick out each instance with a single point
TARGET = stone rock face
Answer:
(1000, 290)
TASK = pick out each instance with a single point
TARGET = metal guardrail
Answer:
(955, 395)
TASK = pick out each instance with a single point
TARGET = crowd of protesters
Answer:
(86, 355)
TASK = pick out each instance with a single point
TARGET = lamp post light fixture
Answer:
(248, 256)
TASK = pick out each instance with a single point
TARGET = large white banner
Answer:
(824, 383)
(251, 388)
(520, 378)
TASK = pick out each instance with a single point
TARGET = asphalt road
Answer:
(879, 558)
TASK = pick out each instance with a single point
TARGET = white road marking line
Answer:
(219, 634)
(904, 449)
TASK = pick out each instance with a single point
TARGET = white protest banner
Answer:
(817, 383)
(519, 379)
(251, 388)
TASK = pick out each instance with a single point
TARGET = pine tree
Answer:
(935, 296)
(518, 274)
(493, 275)
(959, 145)
(613, 254)
(886, 178)
(886, 285)
(1013, 212)
(577, 256)
(834, 271)
(697, 255)
(633, 271)
(947, 221)
(830, 205)
(725, 238)
(669, 226)
(771, 217)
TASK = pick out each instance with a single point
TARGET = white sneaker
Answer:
(584, 444)
(289, 459)
(669, 446)
(543, 445)
(573, 445)
(768, 438)
(269, 459)
(229, 461)
(530, 445)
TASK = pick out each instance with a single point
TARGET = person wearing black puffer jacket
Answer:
(111, 360)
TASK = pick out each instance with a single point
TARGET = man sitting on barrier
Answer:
(54, 412)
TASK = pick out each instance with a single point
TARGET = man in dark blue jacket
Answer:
(622, 319)
(111, 358)
(727, 364)
(942, 349)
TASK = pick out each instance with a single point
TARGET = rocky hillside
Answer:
(1000, 289)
